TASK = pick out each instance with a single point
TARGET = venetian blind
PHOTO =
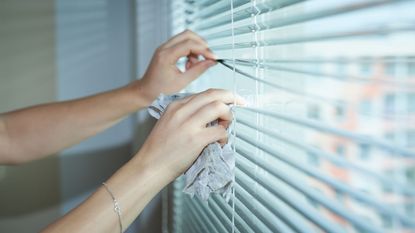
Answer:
(327, 142)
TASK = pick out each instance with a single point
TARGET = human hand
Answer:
(181, 133)
(163, 76)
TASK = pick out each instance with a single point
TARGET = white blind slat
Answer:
(327, 141)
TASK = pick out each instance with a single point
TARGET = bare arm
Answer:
(173, 145)
(38, 131)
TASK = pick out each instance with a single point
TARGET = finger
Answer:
(224, 123)
(188, 47)
(212, 95)
(192, 59)
(212, 111)
(186, 34)
(193, 71)
(214, 134)
(223, 141)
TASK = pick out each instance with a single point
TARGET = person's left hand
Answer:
(163, 76)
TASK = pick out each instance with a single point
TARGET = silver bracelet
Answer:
(117, 208)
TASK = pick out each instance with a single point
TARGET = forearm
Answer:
(38, 131)
(134, 185)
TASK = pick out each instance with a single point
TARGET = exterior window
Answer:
(313, 112)
(365, 107)
(411, 69)
(366, 68)
(389, 104)
(390, 69)
(340, 150)
(411, 103)
(411, 138)
(313, 159)
(364, 152)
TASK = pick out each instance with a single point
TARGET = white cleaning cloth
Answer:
(213, 170)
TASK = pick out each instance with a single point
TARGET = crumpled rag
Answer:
(213, 170)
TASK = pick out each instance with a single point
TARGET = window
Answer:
(290, 57)
(389, 104)
(411, 68)
(366, 68)
(364, 152)
(313, 111)
(411, 103)
(390, 69)
(365, 107)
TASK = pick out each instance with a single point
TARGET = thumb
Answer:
(196, 70)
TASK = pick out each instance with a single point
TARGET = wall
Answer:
(29, 194)
(58, 50)
(153, 29)
(94, 55)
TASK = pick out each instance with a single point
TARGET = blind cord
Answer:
(233, 113)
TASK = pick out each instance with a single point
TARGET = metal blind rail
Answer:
(337, 160)
(217, 8)
(355, 194)
(220, 215)
(378, 30)
(261, 211)
(265, 198)
(219, 225)
(202, 2)
(312, 194)
(239, 222)
(320, 99)
(299, 206)
(241, 208)
(188, 227)
(342, 78)
(339, 60)
(201, 219)
(315, 125)
(294, 19)
(192, 217)
(243, 12)
(252, 220)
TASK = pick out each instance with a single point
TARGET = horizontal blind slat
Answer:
(239, 222)
(358, 195)
(201, 217)
(393, 149)
(300, 207)
(332, 206)
(258, 209)
(266, 198)
(338, 160)
(318, 14)
(373, 31)
(218, 223)
(247, 11)
(401, 84)
(288, 89)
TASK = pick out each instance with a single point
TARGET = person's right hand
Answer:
(181, 133)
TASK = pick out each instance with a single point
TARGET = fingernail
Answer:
(211, 62)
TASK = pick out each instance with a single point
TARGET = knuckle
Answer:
(217, 105)
(159, 54)
(211, 91)
(189, 42)
(187, 32)
(172, 106)
(178, 114)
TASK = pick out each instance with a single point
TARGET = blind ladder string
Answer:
(258, 117)
(233, 135)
